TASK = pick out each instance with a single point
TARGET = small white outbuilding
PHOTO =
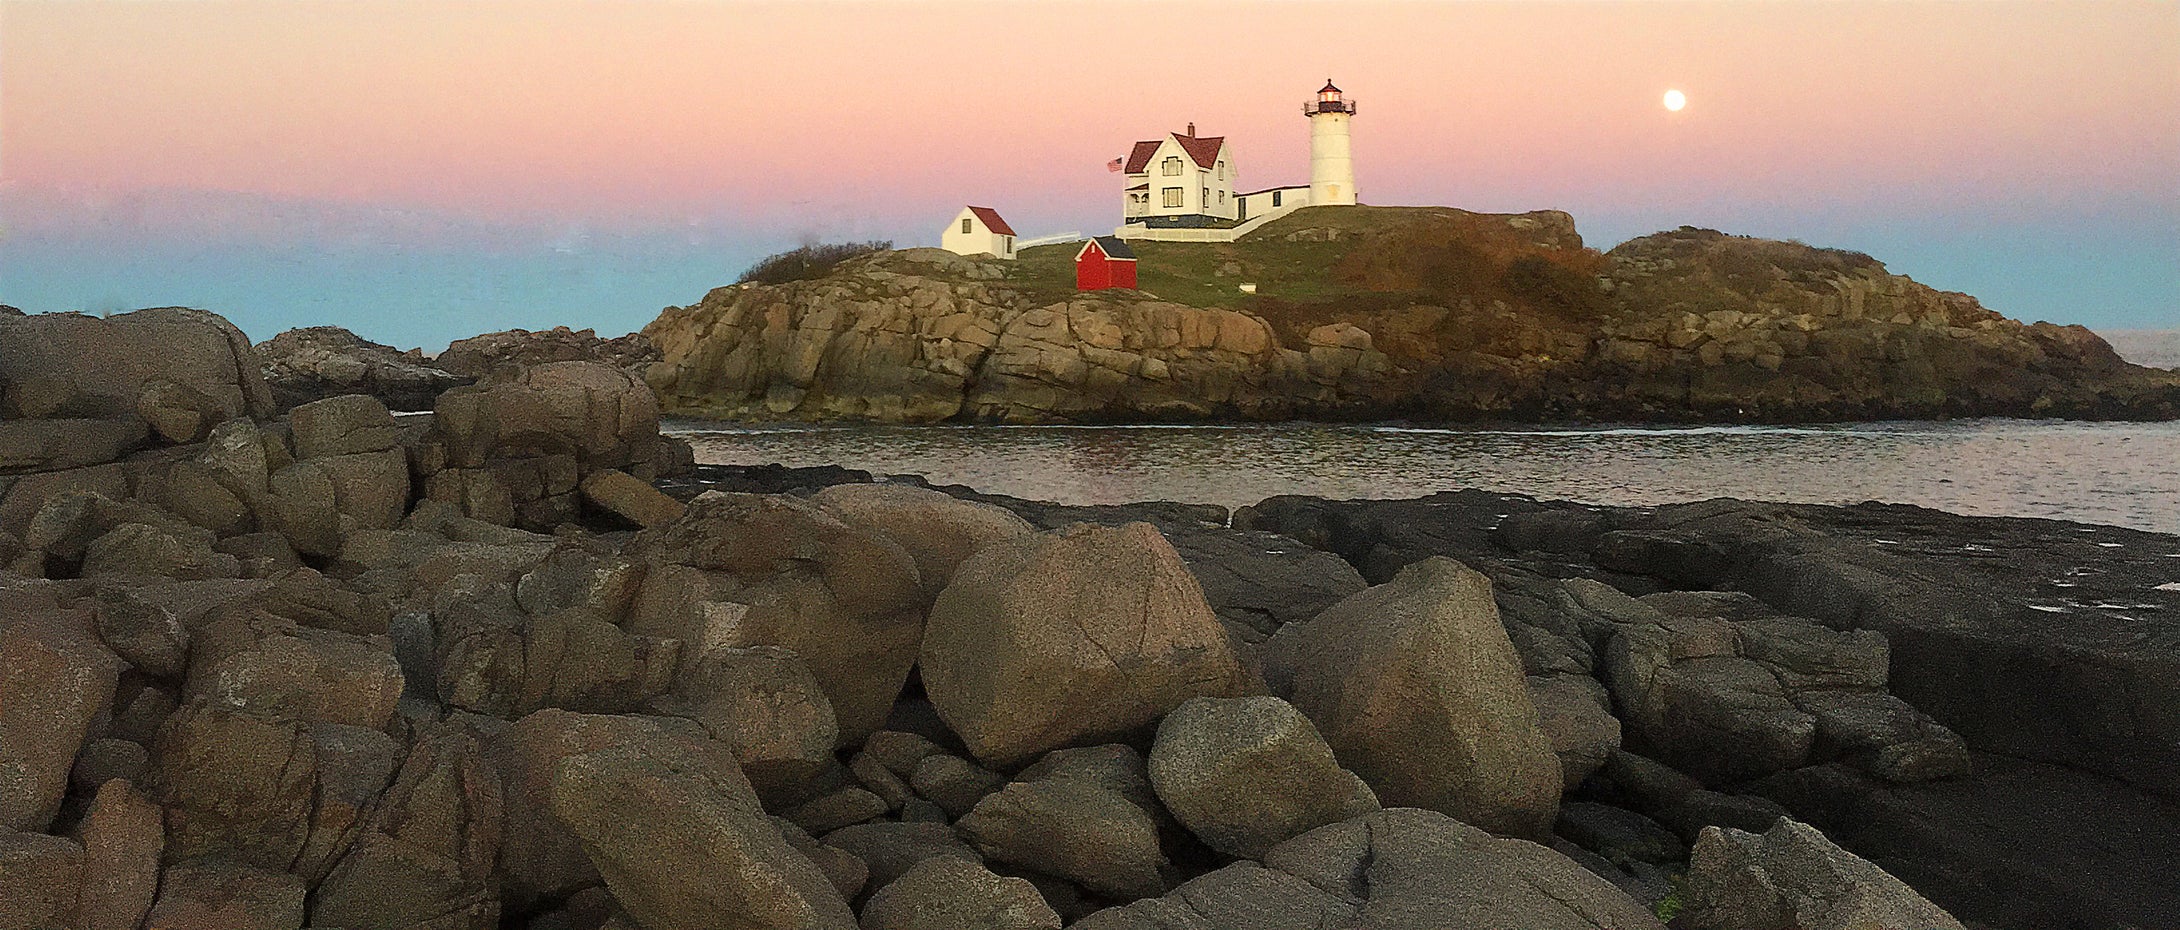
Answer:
(979, 231)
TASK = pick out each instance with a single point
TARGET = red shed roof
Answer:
(1204, 150)
(991, 220)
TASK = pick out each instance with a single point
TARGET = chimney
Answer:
(1192, 130)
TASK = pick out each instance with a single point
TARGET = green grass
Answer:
(1187, 272)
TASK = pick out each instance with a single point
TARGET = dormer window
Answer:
(1171, 166)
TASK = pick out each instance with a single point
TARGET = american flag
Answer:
(1113, 166)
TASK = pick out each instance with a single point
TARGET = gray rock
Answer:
(1880, 734)
(899, 752)
(1074, 829)
(426, 856)
(879, 780)
(748, 570)
(122, 839)
(956, 894)
(891, 849)
(684, 845)
(953, 783)
(58, 681)
(234, 785)
(55, 365)
(105, 759)
(1246, 774)
(1576, 715)
(315, 362)
(345, 425)
(764, 702)
(1793, 878)
(1075, 636)
(1621, 836)
(51, 445)
(539, 857)
(938, 530)
(1418, 690)
(41, 878)
(1397, 869)
(837, 809)
(214, 894)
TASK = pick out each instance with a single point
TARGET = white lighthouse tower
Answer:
(1332, 167)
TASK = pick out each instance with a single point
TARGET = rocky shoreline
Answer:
(521, 663)
(1427, 314)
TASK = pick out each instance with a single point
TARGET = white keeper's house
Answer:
(1181, 180)
(979, 231)
(1181, 187)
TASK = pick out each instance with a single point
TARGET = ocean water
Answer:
(2125, 474)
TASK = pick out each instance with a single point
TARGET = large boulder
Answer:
(214, 894)
(1793, 878)
(479, 356)
(763, 702)
(234, 785)
(272, 666)
(1075, 636)
(684, 845)
(1246, 774)
(51, 445)
(540, 858)
(748, 570)
(890, 850)
(600, 415)
(1074, 829)
(60, 365)
(58, 680)
(1576, 714)
(122, 840)
(955, 894)
(355, 766)
(40, 880)
(1398, 869)
(1419, 691)
(317, 362)
(427, 857)
(342, 425)
(938, 530)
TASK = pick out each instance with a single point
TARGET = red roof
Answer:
(1328, 88)
(1141, 187)
(1203, 150)
(991, 220)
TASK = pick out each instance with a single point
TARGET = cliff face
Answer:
(1377, 312)
(924, 336)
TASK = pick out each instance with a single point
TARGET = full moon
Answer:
(1674, 100)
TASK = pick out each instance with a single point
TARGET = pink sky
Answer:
(870, 118)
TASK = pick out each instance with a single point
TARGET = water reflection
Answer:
(2119, 473)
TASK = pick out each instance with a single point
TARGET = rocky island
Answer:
(272, 657)
(1421, 313)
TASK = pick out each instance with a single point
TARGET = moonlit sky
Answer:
(420, 171)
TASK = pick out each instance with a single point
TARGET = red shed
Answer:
(1104, 262)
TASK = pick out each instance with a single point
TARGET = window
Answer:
(1171, 166)
(1007, 243)
(1172, 196)
(1207, 197)
(1222, 170)
(964, 225)
(1275, 198)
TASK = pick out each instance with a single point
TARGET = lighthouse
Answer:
(1332, 168)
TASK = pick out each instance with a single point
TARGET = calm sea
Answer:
(2126, 474)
